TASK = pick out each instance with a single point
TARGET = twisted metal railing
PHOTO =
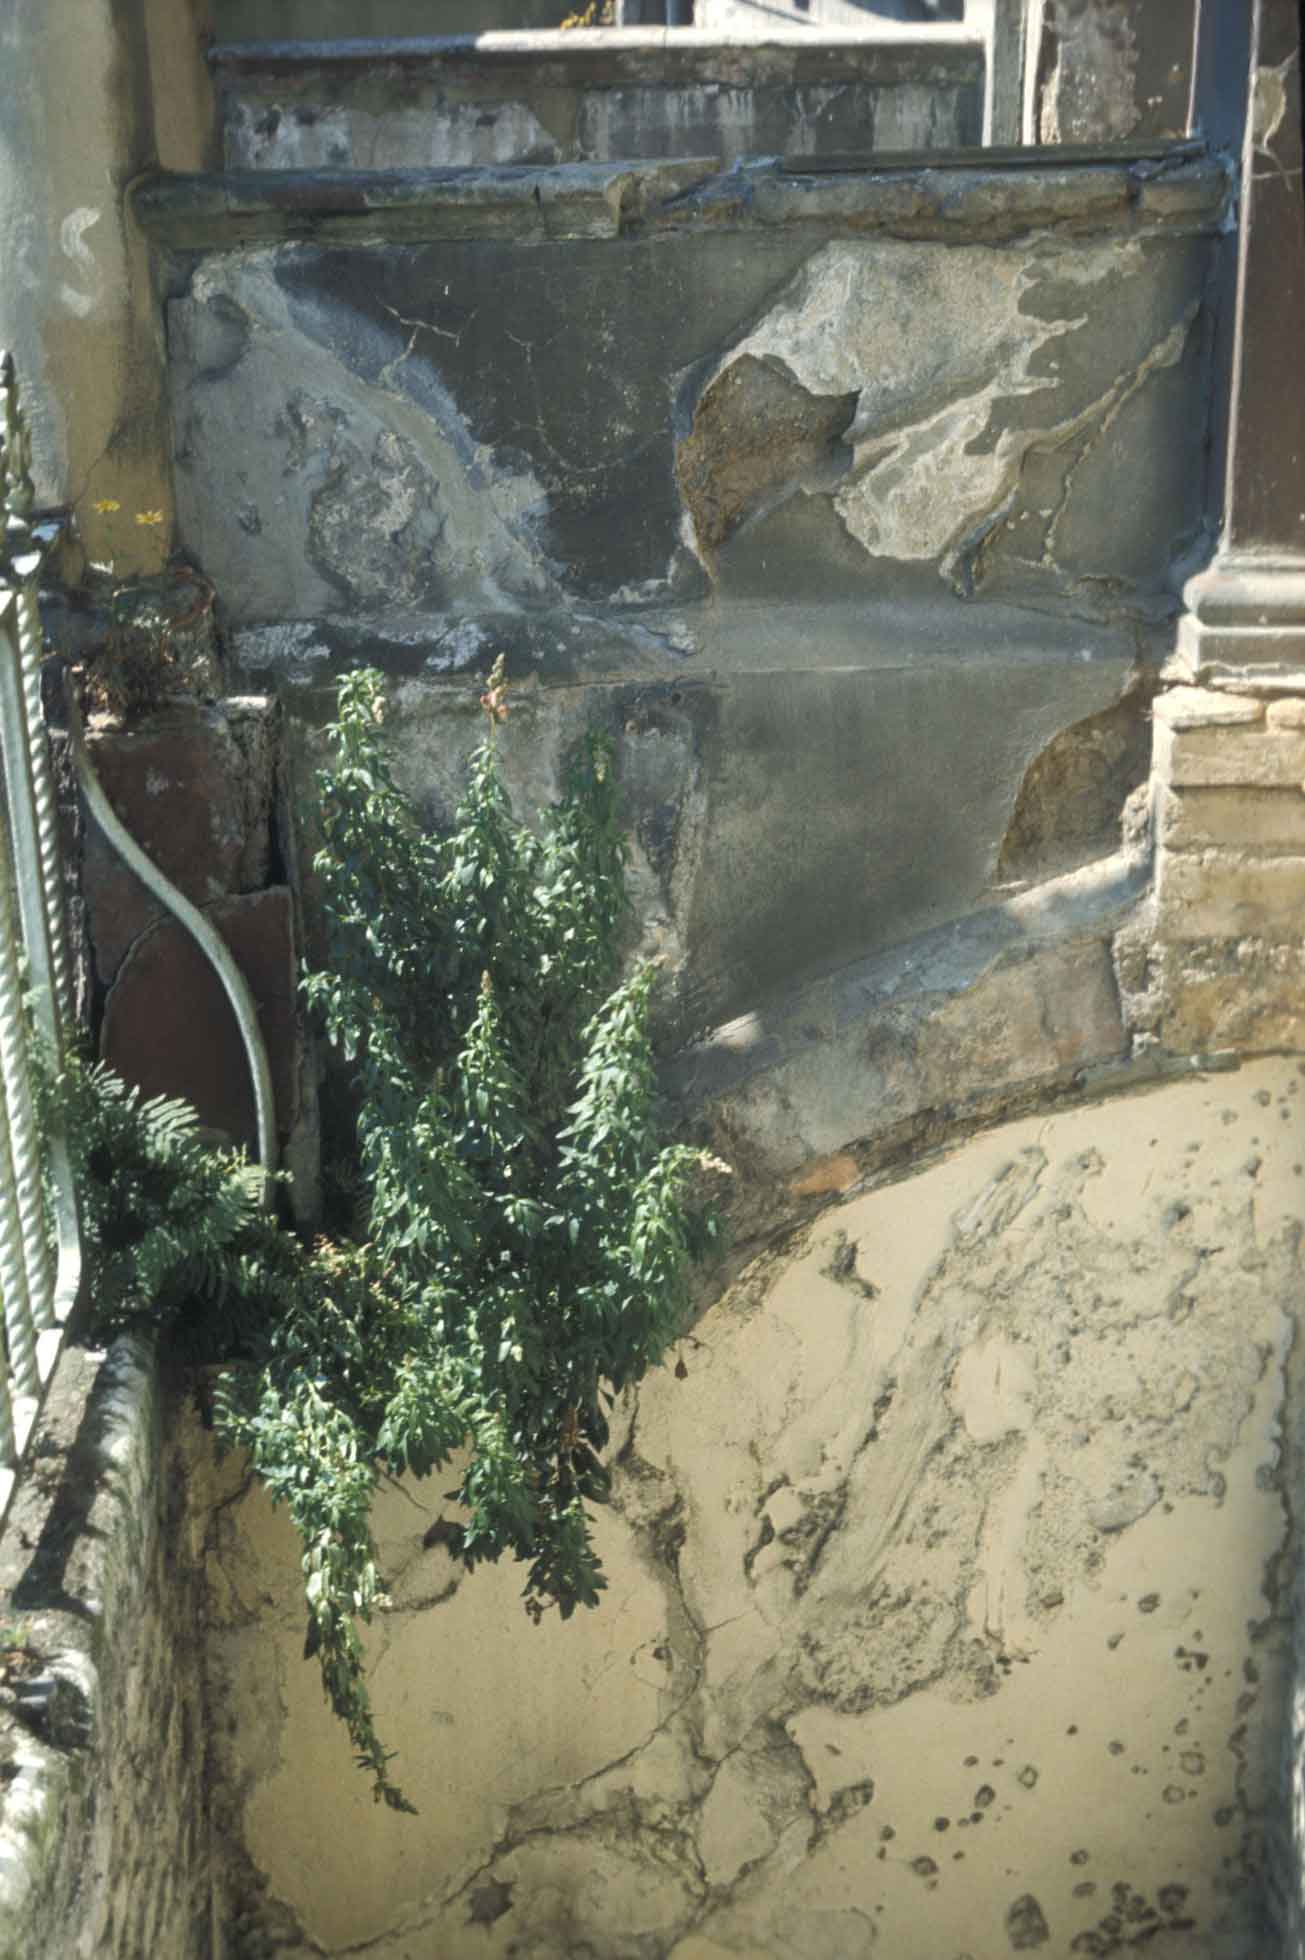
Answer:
(40, 1241)
(40, 1246)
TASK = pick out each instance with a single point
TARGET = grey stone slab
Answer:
(440, 427)
(444, 424)
(991, 403)
(1019, 999)
(847, 811)
(783, 820)
(1008, 198)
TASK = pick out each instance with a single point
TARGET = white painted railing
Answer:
(40, 1247)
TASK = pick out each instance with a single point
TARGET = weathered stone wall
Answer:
(946, 1612)
(808, 487)
(104, 1737)
(107, 91)
(561, 98)
(949, 1577)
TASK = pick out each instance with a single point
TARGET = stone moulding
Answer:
(237, 209)
(1172, 191)
(1244, 626)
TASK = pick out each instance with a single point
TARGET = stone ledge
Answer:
(913, 199)
(989, 204)
(102, 1843)
(235, 209)
(1017, 1001)
(690, 642)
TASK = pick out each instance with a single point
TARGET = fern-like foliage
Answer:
(172, 1228)
(525, 1241)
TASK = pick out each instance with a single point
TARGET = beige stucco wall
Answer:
(97, 92)
(944, 1614)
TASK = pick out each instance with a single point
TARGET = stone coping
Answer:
(675, 56)
(907, 199)
(950, 960)
(73, 1560)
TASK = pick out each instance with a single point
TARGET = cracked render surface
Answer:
(477, 426)
(947, 1599)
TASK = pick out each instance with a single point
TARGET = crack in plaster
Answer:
(535, 430)
(1018, 1346)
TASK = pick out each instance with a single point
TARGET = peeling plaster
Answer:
(395, 502)
(82, 300)
(937, 351)
(943, 1609)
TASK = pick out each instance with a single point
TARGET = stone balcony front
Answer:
(594, 95)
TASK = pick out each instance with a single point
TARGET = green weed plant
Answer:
(524, 1242)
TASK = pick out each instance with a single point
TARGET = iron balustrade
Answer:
(40, 1242)
(40, 1238)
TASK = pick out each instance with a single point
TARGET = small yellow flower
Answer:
(106, 504)
(149, 516)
